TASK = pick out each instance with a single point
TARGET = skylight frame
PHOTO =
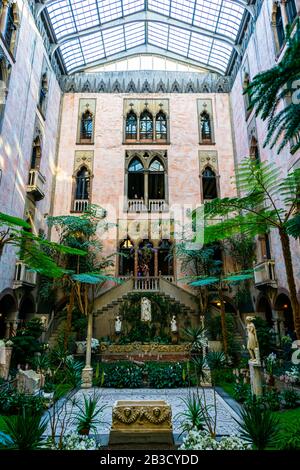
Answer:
(183, 27)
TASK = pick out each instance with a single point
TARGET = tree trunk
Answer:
(69, 318)
(223, 323)
(286, 250)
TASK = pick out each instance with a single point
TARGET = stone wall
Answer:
(108, 187)
(19, 124)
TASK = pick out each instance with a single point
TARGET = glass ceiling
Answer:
(200, 32)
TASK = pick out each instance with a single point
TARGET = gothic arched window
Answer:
(126, 258)
(146, 126)
(254, 150)
(136, 180)
(82, 184)
(291, 10)
(165, 260)
(36, 154)
(161, 126)
(156, 180)
(279, 26)
(206, 133)
(86, 126)
(43, 92)
(209, 184)
(131, 126)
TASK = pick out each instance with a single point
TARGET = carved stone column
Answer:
(87, 371)
(7, 329)
(136, 261)
(156, 273)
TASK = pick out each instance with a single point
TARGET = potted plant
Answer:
(87, 417)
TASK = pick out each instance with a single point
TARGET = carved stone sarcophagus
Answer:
(141, 422)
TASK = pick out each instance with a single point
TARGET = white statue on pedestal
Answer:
(118, 325)
(252, 343)
(173, 324)
(145, 310)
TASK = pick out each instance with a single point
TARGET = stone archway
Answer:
(284, 311)
(264, 307)
(26, 309)
(8, 309)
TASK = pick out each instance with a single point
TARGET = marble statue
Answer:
(145, 310)
(118, 325)
(252, 343)
(173, 324)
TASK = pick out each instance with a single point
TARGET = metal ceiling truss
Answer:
(201, 33)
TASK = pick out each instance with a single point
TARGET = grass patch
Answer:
(228, 388)
(288, 416)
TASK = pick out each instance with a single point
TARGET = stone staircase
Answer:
(113, 298)
(53, 335)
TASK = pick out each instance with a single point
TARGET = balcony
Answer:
(81, 205)
(24, 276)
(153, 205)
(264, 273)
(35, 185)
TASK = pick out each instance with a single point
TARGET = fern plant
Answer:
(267, 201)
(269, 88)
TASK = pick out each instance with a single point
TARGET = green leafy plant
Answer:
(241, 392)
(271, 399)
(23, 432)
(289, 437)
(168, 375)
(268, 88)
(290, 398)
(26, 342)
(259, 426)
(13, 402)
(197, 336)
(200, 367)
(192, 417)
(266, 200)
(87, 418)
(120, 375)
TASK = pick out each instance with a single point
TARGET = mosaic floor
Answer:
(225, 422)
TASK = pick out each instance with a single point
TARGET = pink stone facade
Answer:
(16, 140)
(108, 179)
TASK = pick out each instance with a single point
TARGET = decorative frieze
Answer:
(145, 82)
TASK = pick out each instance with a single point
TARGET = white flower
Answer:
(201, 440)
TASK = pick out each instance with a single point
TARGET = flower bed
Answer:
(201, 440)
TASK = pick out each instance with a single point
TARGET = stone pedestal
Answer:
(28, 381)
(256, 374)
(141, 424)
(5, 357)
(174, 336)
(87, 377)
